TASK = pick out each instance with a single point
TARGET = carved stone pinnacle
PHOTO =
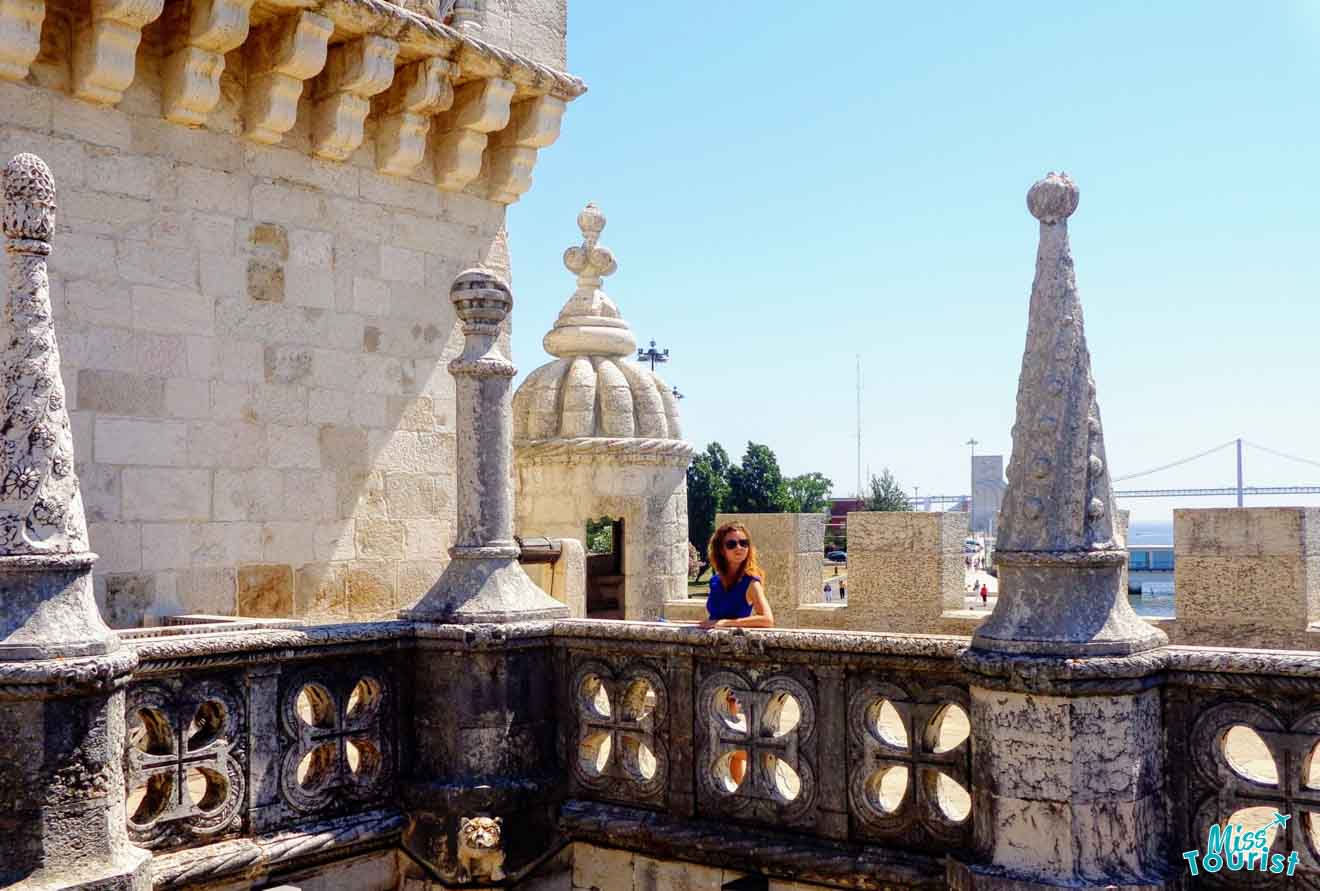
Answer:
(590, 324)
(1059, 549)
(29, 199)
(587, 261)
(1053, 198)
(481, 299)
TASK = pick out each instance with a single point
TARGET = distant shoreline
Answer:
(1150, 534)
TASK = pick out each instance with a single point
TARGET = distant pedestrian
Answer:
(985, 594)
(843, 590)
(829, 593)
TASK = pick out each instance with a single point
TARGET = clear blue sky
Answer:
(790, 185)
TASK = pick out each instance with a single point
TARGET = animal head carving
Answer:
(480, 833)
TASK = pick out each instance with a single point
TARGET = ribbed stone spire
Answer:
(590, 324)
(1060, 555)
(1059, 496)
(41, 510)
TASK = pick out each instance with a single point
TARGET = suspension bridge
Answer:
(1241, 490)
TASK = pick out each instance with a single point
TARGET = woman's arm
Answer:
(761, 617)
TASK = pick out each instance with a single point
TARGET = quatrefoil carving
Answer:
(182, 767)
(1254, 760)
(337, 747)
(619, 751)
(757, 741)
(913, 766)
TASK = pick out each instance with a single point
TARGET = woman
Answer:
(737, 595)
(737, 600)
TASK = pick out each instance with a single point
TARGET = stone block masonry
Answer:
(254, 339)
(1246, 574)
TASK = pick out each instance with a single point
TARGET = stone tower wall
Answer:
(254, 343)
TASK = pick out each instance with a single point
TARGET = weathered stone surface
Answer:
(265, 590)
(61, 704)
(1059, 555)
(904, 569)
(1239, 568)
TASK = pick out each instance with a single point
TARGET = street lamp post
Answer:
(971, 499)
(652, 355)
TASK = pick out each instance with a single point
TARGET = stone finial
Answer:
(1060, 552)
(481, 300)
(40, 506)
(1053, 199)
(29, 199)
(589, 261)
(589, 323)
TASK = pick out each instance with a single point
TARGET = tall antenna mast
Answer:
(859, 425)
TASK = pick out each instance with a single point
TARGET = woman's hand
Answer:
(712, 623)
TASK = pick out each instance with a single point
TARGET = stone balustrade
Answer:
(844, 758)
(487, 110)
(250, 752)
(256, 752)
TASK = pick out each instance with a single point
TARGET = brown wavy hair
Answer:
(716, 554)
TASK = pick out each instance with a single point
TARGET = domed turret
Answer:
(596, 438)
(592, 389)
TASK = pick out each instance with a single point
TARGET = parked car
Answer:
(837, 556)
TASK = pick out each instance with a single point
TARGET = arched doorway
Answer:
(605, 569)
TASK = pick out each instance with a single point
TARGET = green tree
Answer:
(808, 493)
(707, 495)
(600, 536)
(756, 486)
(887, 494)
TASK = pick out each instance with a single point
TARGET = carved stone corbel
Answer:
(480, 108)
(279, 58)
(105, 47)
(191, 74)
(20, 36)
(533, 124)
(355, 71)
(420, 91)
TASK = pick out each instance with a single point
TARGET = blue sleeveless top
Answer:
(733, 604)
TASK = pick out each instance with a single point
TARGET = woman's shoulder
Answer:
(749, 578)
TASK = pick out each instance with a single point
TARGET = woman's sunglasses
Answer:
(736, 543)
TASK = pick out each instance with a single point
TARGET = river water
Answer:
(1156, 603)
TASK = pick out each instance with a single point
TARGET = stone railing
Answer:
(1241, 729)
(841, 758)
(256, 751)
(837, 754)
